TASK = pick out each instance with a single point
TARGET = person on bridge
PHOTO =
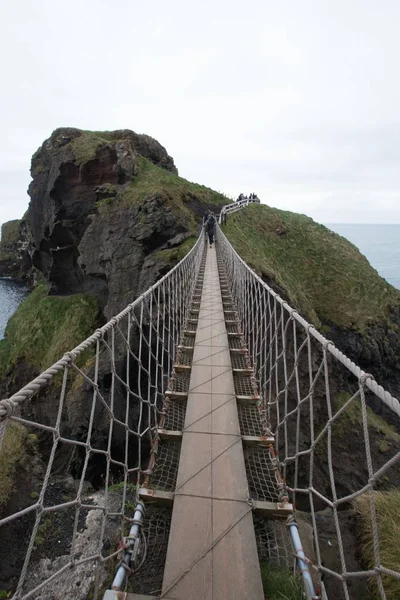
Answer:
(210, 228)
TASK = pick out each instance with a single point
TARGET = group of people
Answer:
(243, 197)
(209, 223)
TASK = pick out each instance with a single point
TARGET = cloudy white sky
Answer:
(297, 100)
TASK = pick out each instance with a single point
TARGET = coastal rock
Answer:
(15, 248)
(104, 206)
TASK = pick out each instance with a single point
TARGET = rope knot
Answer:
(7, 409)
(364, 377)
(327, 343)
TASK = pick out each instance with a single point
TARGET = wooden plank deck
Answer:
(212, 552)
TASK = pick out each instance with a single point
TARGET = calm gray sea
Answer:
(379, 243)
(11, 294)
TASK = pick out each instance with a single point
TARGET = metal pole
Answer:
(128, 556)
(301, 559)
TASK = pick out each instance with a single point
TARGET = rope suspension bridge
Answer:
(223, 402)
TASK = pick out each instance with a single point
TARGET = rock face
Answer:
(103, 208)
(76, 248)
(15, 245)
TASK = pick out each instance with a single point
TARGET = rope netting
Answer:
(95, 414)
(335, 436)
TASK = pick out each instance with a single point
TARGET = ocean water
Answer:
(11, 295)
(379, 243)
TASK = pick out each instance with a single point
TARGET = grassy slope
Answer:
(44, 327)
(324, 275)
(11, 453)
(150, 181)
(387, 505)
(153, 181)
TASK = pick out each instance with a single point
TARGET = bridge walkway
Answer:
(212, 550)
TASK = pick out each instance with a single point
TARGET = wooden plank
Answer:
(212, 552)
(168, 434)
(162, 498)
(115, 595)
(244, 399)
(256, 440)
(273, 510)
(180, 397)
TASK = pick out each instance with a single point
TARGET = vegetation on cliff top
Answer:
(325, 277)
(85, 146)
(179, 194)
(45, 327)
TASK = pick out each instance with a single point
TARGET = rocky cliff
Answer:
(14, 250)
(101, 205)
(108, 216)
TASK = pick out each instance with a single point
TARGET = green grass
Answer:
(387, 505)
(45, 327)
(84, 147)
(153, 181)
(280, 584)
(11, 454)
(174, 255)
(325, 277)
(351, 420)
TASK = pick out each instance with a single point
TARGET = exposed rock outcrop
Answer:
(15, 246)
(90, 235)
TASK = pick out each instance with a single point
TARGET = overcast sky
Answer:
(297, 100)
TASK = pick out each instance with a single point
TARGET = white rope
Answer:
(296, 371)
(137, 350)
(300, 374)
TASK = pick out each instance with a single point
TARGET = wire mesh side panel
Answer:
(273, 543)
(90, 422)
(148, 578)
(336, 435)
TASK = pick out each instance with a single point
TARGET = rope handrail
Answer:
(334, 452)
(118, 396)
(392, 402)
